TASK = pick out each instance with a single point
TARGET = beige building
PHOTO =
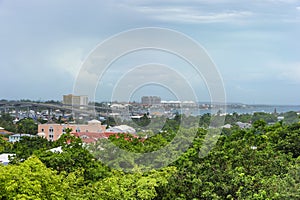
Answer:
(71, 99)
(53, 131)
(151, 100)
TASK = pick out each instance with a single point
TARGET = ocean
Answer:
(249, 109)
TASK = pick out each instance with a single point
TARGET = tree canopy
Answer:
(261, 162)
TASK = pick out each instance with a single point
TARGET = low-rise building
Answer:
(243, 125)
(53, 131)
(17, 137)
(280, 118)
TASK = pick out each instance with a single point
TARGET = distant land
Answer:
(201, 108)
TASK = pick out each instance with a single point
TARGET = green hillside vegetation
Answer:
(261, 162)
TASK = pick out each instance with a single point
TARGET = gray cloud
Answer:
(43, 43)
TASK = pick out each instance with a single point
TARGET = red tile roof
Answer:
(90, 137)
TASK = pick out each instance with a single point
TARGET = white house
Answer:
(17, 137)
(244, 125)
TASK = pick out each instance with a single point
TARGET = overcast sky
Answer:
(254, 44)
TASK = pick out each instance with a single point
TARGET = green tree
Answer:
(28, 126)
(27, 146)
(5, 146)
(6, 121)
(290, 117)
(135, 185)
(205, 120)
(33, 180)
(267, 117)
(74, 157)
(259, 124)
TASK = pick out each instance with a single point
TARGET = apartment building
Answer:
(151, 100)
(71, 99)
(53, 131)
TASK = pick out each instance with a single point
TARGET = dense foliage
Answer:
(26, 125)
(261, 162)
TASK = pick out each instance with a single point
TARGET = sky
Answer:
(254, 46)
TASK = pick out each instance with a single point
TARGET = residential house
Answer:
(17, 137)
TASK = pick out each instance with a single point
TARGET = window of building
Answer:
(51, 135)
(84, 137)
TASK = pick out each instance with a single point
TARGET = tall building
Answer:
(71, 99)
(84, 100)
(151, 100)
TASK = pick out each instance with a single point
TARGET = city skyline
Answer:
(253, 45)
